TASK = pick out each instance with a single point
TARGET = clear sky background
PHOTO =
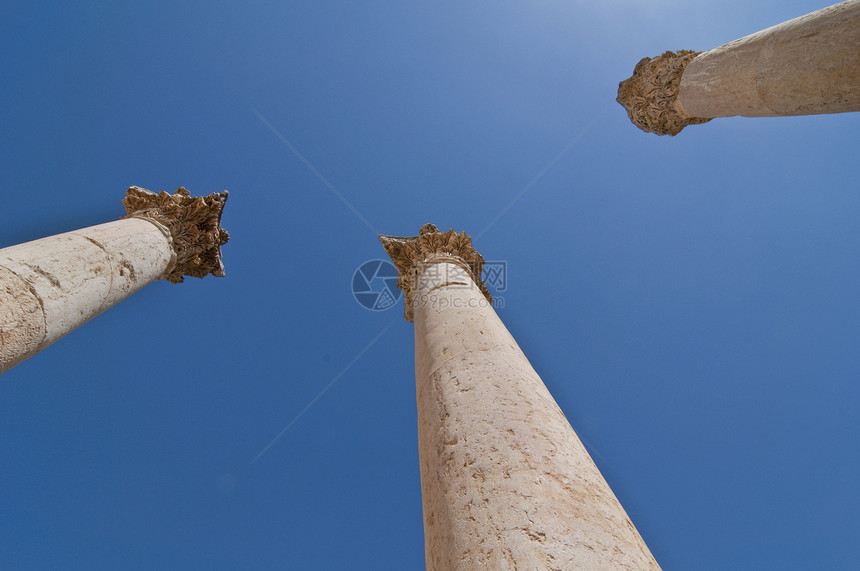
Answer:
(691, 302)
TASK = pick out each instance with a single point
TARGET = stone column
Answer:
(505, 482)
(50, 286)
(806, 66)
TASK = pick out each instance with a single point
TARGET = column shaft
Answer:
(506, 483)
(51, 286)
(805, 66)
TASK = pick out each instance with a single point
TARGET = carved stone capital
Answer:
(411, 255)
(194, 223)
(649, 94)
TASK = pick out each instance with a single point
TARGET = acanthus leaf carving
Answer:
(649, 94)
(194, 223)
(410, 254)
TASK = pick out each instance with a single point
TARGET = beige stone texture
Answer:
(53, 285)
(805, 66)
(506, 483)
(22, 322)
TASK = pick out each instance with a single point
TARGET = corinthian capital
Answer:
(411, 255)
(194, 223)
(649, 94)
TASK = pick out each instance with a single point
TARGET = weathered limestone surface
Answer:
(23, 322)
(77, 275)
(51, 286)
(506, 483)
(808, 65)
(805, 66)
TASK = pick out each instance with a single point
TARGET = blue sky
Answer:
(691, 302)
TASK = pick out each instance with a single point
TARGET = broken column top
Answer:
(194, 224)
(411, 255)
